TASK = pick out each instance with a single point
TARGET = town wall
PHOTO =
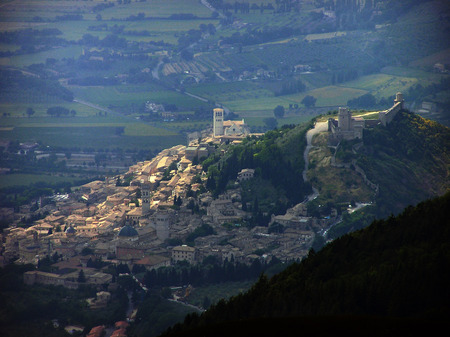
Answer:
(387, 116)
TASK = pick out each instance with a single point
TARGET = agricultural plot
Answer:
(229, 91)
(40, 109)
(312, 37)
(25, 60)
(24, 179)
(95, 137)
(382, 85)
(26, 10)
(114, 97)
(183, 68)
(330, 96)
(157, 9)
(424, 77)
(156, 29)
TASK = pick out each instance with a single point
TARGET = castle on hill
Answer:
(348, 127)
(228, 129)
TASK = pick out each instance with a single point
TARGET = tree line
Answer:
(398, 267)
(210, 271)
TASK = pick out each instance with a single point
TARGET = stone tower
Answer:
(145, 196)
(399, 98)
(217, 122)
(162, 224)
(344, 119)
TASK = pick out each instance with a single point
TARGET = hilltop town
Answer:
(144, 216)
(159, 212)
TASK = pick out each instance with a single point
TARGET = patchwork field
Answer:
(134, 137)
(24, 179)
(22, 61)
(330, 96)
(382, 85)
(124, 98)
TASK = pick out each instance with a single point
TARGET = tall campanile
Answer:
(218, 122)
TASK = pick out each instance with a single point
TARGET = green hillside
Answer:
(408, 160)
(388, 279)
(277, 158)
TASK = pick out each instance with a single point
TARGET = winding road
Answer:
(318, 127)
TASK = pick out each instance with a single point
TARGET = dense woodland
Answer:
(398, 267)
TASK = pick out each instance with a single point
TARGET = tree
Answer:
(270, 122)
(206, 302)
(362, 102)
(119, 130)
(279, 111)
(81, 278)
(309, 101)
(30, 112)
(186, 55)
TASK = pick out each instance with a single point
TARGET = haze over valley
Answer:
(164, 158)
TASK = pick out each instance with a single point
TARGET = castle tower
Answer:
(217, 122)
(344, 119)
(399, 98)
(145, 195)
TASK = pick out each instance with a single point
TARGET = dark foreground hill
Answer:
(391, 278)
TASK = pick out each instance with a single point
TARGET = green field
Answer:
(330, 96)
(382, 85)
(230, 91)
(22, 61)
(19, 109)
(23, 179)
(96, 137)
(119, 96)
(165, 30)
(157, 9)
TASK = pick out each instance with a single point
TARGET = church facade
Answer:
(222, 128)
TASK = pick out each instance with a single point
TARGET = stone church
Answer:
(222, 128)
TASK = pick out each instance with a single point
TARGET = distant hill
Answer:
(391, 278)
(409, 160)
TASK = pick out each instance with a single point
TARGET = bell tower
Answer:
(217, 122)
(145, 196)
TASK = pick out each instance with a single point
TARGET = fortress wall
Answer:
(387, 116)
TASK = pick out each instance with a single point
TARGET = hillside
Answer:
(408, 161)
(277, 158)
(390, 278)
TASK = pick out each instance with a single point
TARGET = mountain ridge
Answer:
(396, 267)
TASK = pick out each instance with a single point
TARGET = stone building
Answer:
(227, 128)
(183, 253)
(245, 174)
(347, 127)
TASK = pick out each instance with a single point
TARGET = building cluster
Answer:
(347, 127)
(144, 223)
